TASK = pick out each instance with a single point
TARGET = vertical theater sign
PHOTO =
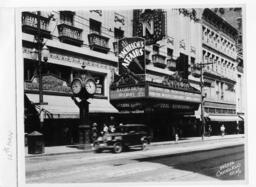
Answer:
(149, 24)
(131, 55)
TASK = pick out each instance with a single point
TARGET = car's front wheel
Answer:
(118, 147)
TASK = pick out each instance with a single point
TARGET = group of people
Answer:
(222, 129)
(102, 130)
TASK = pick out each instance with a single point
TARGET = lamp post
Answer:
(201, 66)
(42, 53)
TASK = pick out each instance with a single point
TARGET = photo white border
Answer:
(8, 121)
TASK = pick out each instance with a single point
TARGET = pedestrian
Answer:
(94, 132)
(209, 130)
(237, 129)
(112, 128)
(222, 129)
(105, 129)
(177, 130)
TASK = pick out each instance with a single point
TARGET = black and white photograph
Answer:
(130, 95)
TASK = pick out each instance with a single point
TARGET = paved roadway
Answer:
(194, 161)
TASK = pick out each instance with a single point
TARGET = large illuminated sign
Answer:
(149, 24)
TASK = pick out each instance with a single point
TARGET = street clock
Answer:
(90, 86)
(76, 86)
(84, 87)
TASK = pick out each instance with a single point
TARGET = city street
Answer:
(221, 159)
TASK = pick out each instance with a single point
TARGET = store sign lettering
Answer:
(173, 94)
(127, 92)
(173, 106)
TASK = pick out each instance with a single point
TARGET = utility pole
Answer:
(39, 46)
(201, 66)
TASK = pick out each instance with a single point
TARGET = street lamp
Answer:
(201, 66)
(41, 54)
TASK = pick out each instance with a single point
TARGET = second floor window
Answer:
(155, 49)
(95, 26)
(118, 34)
(169, 52)
(67, 17)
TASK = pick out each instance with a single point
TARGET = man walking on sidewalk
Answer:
(222, 129)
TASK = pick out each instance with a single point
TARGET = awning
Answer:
(197, 115)
(57, 106)
(241, 116)
(223, 118)
(101, 106)
(64, 106)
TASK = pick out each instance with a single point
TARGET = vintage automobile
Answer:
(124, 136)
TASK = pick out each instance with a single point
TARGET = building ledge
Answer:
(80, 50)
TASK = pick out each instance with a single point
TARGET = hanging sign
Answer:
(149, 24)
(131, 55)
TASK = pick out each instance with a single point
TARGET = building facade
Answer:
(219, 39)
(166, 97)
(74, 38)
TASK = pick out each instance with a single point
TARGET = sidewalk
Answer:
(70, 149)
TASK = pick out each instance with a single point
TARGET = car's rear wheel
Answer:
(118, 147)
(144, 144)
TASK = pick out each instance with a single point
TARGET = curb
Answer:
(197, 140)
(152, 144)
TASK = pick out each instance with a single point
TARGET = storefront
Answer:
(223, 113)
(59, 111)
(166, 108)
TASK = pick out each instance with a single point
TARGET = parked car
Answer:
(124, 136)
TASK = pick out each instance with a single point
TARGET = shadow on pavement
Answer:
(222, 164)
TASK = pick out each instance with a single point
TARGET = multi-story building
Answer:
(166, 97)
(220, 77)
(74, 38)
(234, 17)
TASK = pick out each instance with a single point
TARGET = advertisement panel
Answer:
(131, 55)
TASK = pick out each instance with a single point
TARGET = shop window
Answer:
(118, 34)
(99, 79)
(95, 26)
